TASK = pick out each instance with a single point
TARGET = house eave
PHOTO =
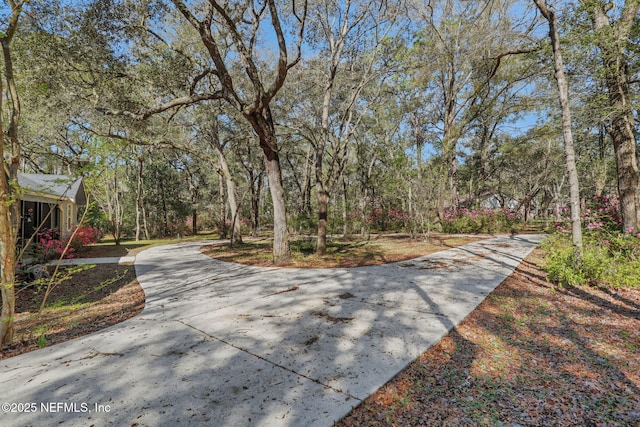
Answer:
(33, 196)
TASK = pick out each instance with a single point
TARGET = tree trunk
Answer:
(112, 206)
(145, 226)
(139, 201)
(449, 147)
(613, 39)
(487, 136)
(281, 252)
(193, 189)
(8, 253)
(624, 144)
(323, 204)
(232, 194)
(263, 126)
(9, 206)
(441, 197)
(574, 188)
(305, 207)
(117, 225)
(345, 209)
(419, 140)
(165, 210)
(256, 189)
(447, 177)
(222, 224)
(364, 202)
(321, 186)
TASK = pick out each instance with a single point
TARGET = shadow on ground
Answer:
(229, 345)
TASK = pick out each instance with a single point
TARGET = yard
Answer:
(531, 354)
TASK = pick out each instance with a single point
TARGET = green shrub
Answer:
(303, 224)
(609, 259)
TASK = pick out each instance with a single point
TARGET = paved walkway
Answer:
(104, 260)
(228, 345)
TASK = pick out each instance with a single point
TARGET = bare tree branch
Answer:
(177, 102)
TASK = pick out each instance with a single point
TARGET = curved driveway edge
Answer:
(229, 345)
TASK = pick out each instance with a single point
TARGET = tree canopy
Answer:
(185, 115)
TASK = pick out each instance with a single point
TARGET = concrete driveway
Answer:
(228, 345)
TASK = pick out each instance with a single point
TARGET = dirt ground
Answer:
(341, 253)
(84, 300)
(531, 354)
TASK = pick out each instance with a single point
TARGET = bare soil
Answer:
(104, 251)
(84, 300)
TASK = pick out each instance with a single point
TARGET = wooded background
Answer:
(319, 116)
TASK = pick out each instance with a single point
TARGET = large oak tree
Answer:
(612, 37)
(235, 38)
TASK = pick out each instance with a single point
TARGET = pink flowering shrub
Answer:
(51, 245)
(83, 236)
(478, 220)
(598, 214)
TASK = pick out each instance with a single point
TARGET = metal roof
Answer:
(53, 186)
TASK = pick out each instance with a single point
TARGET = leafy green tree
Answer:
(166, 195)
(340, 27)
(219, 145)
(230, 36)
(613, 27)
(107, 182)
(463, 62)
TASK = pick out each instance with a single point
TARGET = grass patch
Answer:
(107, 247)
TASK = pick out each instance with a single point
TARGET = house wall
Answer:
(69, 217)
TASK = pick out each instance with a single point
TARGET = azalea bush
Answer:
(388, 219)
(599, 213)
(50, 244)
(479, 221)
(83, 236)
(611, 256)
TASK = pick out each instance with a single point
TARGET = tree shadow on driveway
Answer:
(228, 345)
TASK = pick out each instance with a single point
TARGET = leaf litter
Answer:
(531, 354)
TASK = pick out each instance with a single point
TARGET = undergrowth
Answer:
(611, 257)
